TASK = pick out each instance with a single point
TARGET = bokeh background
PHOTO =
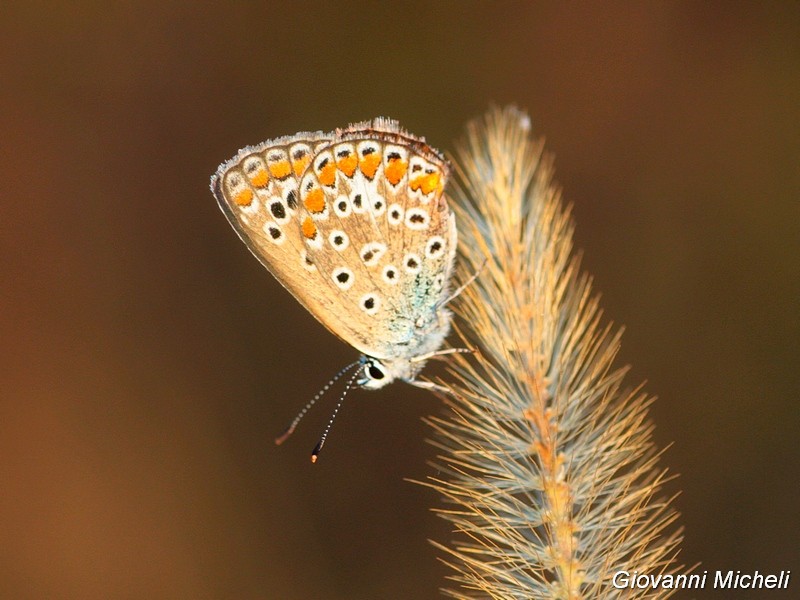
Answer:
(148, 360)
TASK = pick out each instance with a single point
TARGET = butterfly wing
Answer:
(376, 225)
(258, 191)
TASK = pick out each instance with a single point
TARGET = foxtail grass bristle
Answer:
(547, 463)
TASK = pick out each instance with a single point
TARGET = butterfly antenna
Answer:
(318, 447)
(290, 429)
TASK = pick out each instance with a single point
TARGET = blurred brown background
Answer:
(148, 359)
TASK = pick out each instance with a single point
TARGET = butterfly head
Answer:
(380, 373)
(375, 374)
(408, 359)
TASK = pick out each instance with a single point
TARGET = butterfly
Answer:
(355, 224)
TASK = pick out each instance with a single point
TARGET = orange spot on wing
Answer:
(395, 170)
(300, 165)
(348, 165)
(309, 229)
(425, 183)
(244, 197)
(280, 169)
(260, 179)
(328, 174)
(315, 201)
(369, 164)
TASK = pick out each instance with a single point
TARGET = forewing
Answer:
(258, 190)
(376, 226)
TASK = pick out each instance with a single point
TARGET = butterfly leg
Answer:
(445, 352)
(431, 387)
(464, 285)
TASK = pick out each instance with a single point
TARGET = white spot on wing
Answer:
(342, 207)
(274, 232)
(307, 264)
(358, 202)
(417, 219)
(314, 243)
(343, 278)
(371, 253)
(435, 247)
(339, 240)
(378, 206)
(394, 214)
(390, 275)
(370, 303)
(412, 263)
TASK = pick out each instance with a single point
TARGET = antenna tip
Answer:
(315, 452)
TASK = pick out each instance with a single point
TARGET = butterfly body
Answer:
(355, 224)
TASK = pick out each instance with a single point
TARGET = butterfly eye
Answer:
(375, 372)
